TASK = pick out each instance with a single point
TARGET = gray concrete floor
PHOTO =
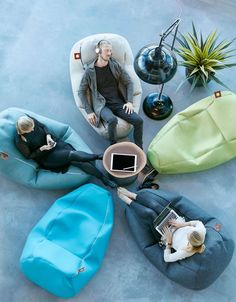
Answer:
(35, 42)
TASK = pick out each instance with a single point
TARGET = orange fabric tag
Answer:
(217, 227)
(217, 94)
(77, 55)
(80, 270)
(4, 155)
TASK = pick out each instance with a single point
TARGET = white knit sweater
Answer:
(180, 241)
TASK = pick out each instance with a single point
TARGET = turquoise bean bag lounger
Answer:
(27, 172)
(198, 138)
(66, 247)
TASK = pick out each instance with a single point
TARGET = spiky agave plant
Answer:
(203, 59)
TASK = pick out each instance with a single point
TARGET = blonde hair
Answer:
(196, 240)
(23, 125)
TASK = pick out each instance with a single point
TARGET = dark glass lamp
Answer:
(155, 64)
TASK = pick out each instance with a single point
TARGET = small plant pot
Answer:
(199, 83)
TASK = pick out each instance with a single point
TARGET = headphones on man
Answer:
(98, 49)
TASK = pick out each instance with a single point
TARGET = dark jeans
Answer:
(109, 115)
(83, 161)
(63, 157)
(145, 213)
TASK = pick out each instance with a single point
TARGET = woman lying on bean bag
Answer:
(34, 141)
(185, 238)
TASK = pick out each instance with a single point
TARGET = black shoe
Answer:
(149, 185)
(144, 185)
(100, 156)
(108, 182)
(140, 146)
(150, 175)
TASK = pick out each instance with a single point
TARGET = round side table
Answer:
(124, 178)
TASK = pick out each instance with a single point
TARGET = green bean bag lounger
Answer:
(66, 247)
(198, 138)
(27, 172)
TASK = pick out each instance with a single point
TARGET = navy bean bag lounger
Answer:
(198, 271)
(66, 248)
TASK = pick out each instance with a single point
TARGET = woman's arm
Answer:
(25, 150)
(178, 255)
(179, 224)
(194, 223)
(168, 256)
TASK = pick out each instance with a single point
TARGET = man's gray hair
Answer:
(103, 42)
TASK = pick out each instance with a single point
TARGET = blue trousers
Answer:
(145, 210)
(110, 114)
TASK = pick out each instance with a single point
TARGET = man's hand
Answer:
(129, 108)
(92, 118)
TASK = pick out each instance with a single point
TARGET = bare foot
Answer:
(127, 193)
(125, 198)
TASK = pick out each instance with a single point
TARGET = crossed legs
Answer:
(84, 161)
(146, 214)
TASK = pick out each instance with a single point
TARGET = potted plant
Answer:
(203, 58)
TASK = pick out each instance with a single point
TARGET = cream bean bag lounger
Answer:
(83, 53)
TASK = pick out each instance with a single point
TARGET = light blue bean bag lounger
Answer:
(66, 247)
(27, 172)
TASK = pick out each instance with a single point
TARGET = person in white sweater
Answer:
(186, 238)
